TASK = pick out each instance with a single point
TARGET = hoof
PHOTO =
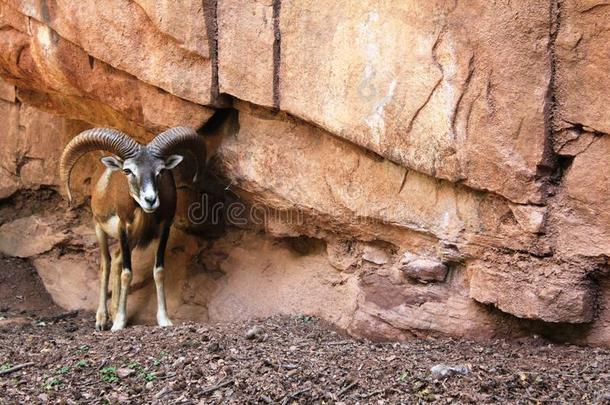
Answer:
(101, 326)
(164, 322)
(101, 322)
(118, 324)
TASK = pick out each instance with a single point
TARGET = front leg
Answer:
(162, 318)
(120, 318)
(116, 267)
(101, 316)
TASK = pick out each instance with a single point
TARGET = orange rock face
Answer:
(397, 168)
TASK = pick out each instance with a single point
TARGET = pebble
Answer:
(163, 391)
(445, 370)
(125, 372)
(254, 332)
(179, 361)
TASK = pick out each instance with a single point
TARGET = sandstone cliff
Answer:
(397, 168)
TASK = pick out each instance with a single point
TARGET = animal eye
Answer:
(127, 171)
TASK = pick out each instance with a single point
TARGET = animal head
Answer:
(141, 164)
(142, 172)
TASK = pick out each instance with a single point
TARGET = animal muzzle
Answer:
(149, 201)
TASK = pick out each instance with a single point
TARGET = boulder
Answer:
(529, 217)
(60, 275)
(29, 236)
(423, 269)
(375, 255)
(534, 288)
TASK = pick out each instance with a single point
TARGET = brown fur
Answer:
(141, 227)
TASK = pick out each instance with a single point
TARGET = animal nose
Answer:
(150, 200)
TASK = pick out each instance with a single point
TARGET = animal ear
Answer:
(173, 161)
(112, 163)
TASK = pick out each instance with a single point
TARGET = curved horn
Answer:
(106, 139)
(180, 138)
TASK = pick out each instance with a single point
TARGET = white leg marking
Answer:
(120, 319)
(101, 316)
(162, 318)
(115, 274)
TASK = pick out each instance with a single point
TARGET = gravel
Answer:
(302, 359)
(48, 355)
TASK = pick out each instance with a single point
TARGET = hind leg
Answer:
(120, 318)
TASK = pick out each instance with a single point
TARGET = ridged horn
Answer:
(180, 139)
(106, 139)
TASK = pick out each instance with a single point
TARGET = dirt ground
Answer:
(284, 359)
